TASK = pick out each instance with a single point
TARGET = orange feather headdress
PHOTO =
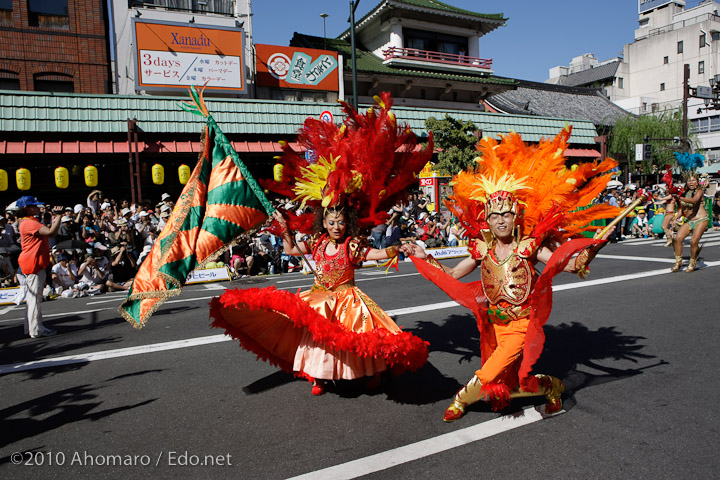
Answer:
(367, 163)
(548, 198)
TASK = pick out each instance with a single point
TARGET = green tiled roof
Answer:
(435, 5)
(429, 5)
(367, 62)
(81, 113)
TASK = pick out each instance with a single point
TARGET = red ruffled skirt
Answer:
(318, 333)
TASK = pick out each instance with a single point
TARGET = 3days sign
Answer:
(298, 68)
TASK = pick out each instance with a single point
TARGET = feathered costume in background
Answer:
(552, 209)
(366, 164)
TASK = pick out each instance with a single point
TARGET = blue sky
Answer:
(539, 34)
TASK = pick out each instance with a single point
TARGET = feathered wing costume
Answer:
(550, 203)
(334, 331)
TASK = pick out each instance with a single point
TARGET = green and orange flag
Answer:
(220, 201)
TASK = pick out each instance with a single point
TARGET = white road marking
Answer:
(103, 355)
(638, 259)
(424, 448)
(214, 286)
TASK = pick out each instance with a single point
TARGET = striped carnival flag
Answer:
(220, 201)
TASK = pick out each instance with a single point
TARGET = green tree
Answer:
(456, 142)
(629, 131)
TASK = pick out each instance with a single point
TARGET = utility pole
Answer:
(686, 95)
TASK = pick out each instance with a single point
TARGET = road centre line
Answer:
(424, 448)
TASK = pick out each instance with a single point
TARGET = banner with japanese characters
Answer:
(172, 55)
(297, 68)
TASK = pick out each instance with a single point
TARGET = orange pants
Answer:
(502, 348)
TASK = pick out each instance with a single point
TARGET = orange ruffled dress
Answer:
(332, 331)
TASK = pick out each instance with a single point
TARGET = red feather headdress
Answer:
(367, 163)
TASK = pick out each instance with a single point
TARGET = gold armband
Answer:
(391, 252)
(582, 262)
(429, 259)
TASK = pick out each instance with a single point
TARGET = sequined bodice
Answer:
(337, 269)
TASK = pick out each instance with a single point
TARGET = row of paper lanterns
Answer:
(62, 176)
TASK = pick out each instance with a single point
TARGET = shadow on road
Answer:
(57, 409)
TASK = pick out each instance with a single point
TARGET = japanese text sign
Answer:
(172, 55)
(299, 68)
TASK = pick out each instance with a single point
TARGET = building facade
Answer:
(54, 46)
(649, 77)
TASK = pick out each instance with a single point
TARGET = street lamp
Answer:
(353, 6)
(324, 16)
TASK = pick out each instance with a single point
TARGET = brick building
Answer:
(54, 46)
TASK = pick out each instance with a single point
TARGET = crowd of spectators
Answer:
(98, 247)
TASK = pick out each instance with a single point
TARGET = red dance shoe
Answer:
(318, 389)
(454, 412)
(553, 403)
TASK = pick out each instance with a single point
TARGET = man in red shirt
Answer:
(34, 259)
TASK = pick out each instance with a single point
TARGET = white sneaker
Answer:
(44, 332)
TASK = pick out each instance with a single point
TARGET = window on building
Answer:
(6, 13)
(701, 125)
(715, 123)
(620, 82)
(644, 107)
(701, 67)
(662, 87)
(9, 80)
(434, 41)
(53, 82)
(715, 36)
(655, 107)
(666, 60)
(48, 13)
(702, 40)
(680, 47)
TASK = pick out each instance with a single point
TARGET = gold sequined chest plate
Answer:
(509, 280)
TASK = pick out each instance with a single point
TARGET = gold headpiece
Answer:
(497, 194)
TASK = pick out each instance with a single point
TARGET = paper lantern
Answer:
(3, 180)
(91, 176)
(278, 172)
(184, 174)
(22, 177)
(62, 177)
(158, 174)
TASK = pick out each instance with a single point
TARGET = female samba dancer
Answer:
(337, 252)
(334, 331)
(697, 218)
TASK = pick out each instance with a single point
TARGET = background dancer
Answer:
(697, 212)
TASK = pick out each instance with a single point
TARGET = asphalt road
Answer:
(635, 345)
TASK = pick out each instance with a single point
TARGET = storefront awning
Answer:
(581, 152)
(63, 147)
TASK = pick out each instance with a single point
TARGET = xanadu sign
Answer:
(298, 68)
(172, 55)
